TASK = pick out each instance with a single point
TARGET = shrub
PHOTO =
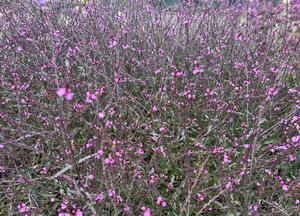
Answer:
(124, 108)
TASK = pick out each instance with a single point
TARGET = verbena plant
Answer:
(131, 108)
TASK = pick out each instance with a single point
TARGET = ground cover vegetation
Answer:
(133, 108)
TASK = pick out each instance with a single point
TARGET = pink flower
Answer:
(153, 179)
(99, 154)
(296, 139)
(291, 91)
(274, 70)
(284, 187)
(64, 205)
(146, 211)
(257, 71)
(112, 42)
(61, 92)
(90, 97)
(242, 173)
(19, 49)
(292, 157)
(154, 109)
(294, 119)
(99, 197)
(268, 171)
(162, 130)
(238, 37)
(99, 91)
(90, 143)
(272, 91)
(69, 96)
(78, 213)
(91, 177)
(111, 193)
(178, 74)
(197, 70)
(65, 92)
(201, 196)
(158, 71)
(78, 107)
(109, 161)
(126, 209)
(22, 208)
(137, 174)
(226, 159)
(101, 115)
(44, 170)
(218, 150)
(247, 146)
(108, 124)
(252, 209)
(161, 52)
(228, 186)
(161, 201)
(119, 199)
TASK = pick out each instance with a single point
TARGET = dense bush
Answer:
(124, 108)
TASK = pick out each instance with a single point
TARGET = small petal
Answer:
(78, 213)
(101, 115)
(146, 211)
(61, 92)
(69, 96)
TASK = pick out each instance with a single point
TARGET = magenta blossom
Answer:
(154, 109)
(161, 201)
(146, 211)
(90, 97)
(125, 46)
(226, 159)
(109, 161)
(252, 209)
(22, 208)
(108, 124)
(229, 186)
(99, 197)
(113, 42)
(99, 154)
(65, 92)
(78, 213)
(296, 139)
(101, 115)
(111, 193)
(292, 157)
(44, 170)
(162, 130)
(201, 196)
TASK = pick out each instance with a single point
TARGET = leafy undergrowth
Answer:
(130, 108)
